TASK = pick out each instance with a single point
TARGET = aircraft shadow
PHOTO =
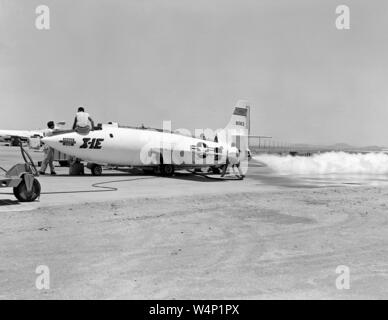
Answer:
(88, 175)
(198, 177)
(178, 175)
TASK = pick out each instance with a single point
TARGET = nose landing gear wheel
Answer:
(96, 170)
(215, 170)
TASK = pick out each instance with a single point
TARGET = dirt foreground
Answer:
(253, 246)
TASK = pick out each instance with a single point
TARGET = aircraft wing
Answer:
(20, 133)
(26, 134)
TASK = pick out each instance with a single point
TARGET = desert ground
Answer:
(126, 235)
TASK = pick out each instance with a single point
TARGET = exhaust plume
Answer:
(327, 163)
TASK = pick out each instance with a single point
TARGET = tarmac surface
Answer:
(126, 235)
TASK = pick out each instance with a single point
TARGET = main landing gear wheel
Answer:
(23, 195)
(167, 170)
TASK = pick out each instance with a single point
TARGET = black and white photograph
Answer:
(193, 150)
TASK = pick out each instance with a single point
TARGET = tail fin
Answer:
(238, 129)
(240, 120)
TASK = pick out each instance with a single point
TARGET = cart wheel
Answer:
(96, 170)
(23, 195)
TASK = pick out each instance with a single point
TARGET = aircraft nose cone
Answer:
(60, 142)
(50, 141)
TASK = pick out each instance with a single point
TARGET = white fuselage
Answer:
(138, 148)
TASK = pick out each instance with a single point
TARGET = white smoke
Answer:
(328, 163)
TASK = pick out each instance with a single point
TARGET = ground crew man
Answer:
(83, 123)
(233, 159)
(48, 151)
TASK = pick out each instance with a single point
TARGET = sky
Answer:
(145, 61)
